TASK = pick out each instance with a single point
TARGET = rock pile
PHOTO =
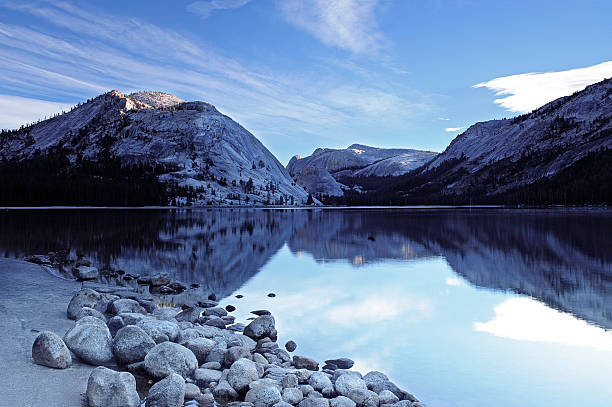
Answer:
(196, 356)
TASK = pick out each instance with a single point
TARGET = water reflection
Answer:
(558, 257)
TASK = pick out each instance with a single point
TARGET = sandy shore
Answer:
(31, 300)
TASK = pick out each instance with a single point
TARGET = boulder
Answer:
(234, 353)
(301, 362)
(347, 383)
(290, 380)
(86, 273)
(131, 344)
(125, 305)
(200, 347)
(241, 373)
(90, 340)
(168, 392)
(169, 357)
(364, 398)
(159, 330)
(290, 346)
(88, 298)
(387, 397)
(319, 381)
(203, 377)
(49, 350)
(267, 397)
(216, 322)
(342, 401)
(342, 363)
(107, 388)
(191, 391)
(292, 395)
(224, 392)
(191, 314)
(261, 327)
(115, 324)
(314, 402)
(377, 382)
(90, 312)
(215, 311)
(159, 279)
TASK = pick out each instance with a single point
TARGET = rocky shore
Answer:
(197, 355)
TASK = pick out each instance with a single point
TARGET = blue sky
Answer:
(302, 74)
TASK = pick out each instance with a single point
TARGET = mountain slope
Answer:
(558, 154)
(321, 172)
(196, 153)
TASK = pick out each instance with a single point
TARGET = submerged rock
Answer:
(107, 388)
(49, 350)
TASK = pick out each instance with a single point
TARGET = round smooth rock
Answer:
(90, 340)
(292, 395)
(90, 312)
(169, 357)
(241, 373)
(319, 381)
(107, 388)
(347, 383)
(267, 397)
(169, 392)
(49, 350)
(200, 347)
(290, 346)
(131, 344)
(342, 401)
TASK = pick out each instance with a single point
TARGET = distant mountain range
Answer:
(558, 154)
(146, 148)
(320, 172)
(152, 148)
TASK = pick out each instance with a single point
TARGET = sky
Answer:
(303, 74)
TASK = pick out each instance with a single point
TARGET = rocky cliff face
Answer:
(321, 172)
(204, 155)
(509, 153)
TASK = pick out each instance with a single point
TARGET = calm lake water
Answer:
(459, 307)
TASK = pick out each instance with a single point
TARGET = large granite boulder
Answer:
(107, 388)
(169, 392)
(169, 357)
(261, 327)
(90, 340)
(49, 350)
(131, 344)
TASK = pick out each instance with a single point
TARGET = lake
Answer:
(459, 307)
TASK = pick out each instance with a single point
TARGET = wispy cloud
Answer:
(452, 129)
(15, 110)
(444, 118)
(346, 24)
(206, 7)
(526, 92)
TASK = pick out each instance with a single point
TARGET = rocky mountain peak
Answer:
(156, 99)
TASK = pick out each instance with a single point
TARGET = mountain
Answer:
(321, 172)
(141, 149)
(557, 154)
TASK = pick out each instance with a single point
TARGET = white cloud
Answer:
(378, 308)
(452, 129)
(454, 282)
(445, 118)
(525, 319)
(15, 110)
(529, 91)
(347, 24)
(206, 7)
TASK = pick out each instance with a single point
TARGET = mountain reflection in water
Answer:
(562, 258)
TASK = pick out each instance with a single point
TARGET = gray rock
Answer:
(329, 392)
(319, 381)
(211, 365)
(216, 311)
(306, 389)
(191, 391)
(290, 381)
(242, 372)
(216, 322)
(115, 324)
(160, 279)
(200, 347)
(131, 344)
(49, 350)
(347, 383)
(290, 346)
(203, 377)
(314, 402)
(133, 318)
(107, 388)
(302, 375)
(342, 401)
(315, 394)
(159, 330)
(224, 392)
(206, 400)
(342, 363)
(90, 312)
(88, 298)
(267, 397)
(387, 397)
(217, 354)
(191, 314)
(259, 358)
(86, 273)
(170, 357)
(404, 403)
(292, 395)
(234, 353)
(377, 382)
(261, 327)
(90, 340)
(340, 372)
(364, 398)
(282, 403)
(167, 314)
(301, 362)
(138, 368)
(125, 305)
(169, 392)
